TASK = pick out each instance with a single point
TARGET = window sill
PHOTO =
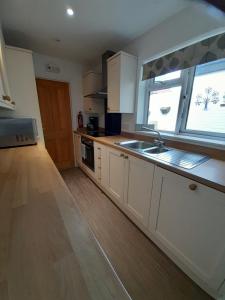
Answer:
(210, 143)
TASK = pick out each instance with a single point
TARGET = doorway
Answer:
(54, 102)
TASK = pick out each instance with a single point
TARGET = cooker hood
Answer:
(102, 94)
(98, 95)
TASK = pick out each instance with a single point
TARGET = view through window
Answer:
(190, 101)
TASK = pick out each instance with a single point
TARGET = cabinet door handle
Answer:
(193, 186)
(126, 157)
(99, 148)
(121, 155)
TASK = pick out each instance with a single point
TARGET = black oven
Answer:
(88, 153)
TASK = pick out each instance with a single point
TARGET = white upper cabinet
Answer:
(92, 82)
(121, 82)
(188, 219)
(5, 95)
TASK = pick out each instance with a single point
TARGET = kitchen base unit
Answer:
(182, 217)
(187, 220)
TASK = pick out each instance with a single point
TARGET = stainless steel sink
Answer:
(157, 150)
(136, 145)
(180, 158)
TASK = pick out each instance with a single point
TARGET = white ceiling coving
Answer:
(97, 25)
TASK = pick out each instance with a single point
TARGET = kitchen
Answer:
(112, 151)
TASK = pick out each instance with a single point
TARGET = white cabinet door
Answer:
(2, 92)
(97, 156)
(114, 85)
(101, 165)
(188, 219)
(117, 174)
(140, 179)
(122, 69)
(5, 95)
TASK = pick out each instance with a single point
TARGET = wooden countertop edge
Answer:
(186, 173)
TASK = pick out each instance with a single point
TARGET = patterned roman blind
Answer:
(200, 53)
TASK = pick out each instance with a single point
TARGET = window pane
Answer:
(207, 106)
(163, 108)
(169, 76)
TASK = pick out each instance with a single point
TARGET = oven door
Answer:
(88, 156)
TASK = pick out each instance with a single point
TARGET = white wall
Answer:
(69, 72)
(190, 25)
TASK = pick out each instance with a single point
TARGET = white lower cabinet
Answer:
(127, 179)
(117, 174)
(188, 219)
(140, 178)
(184, 218)
(101, 165)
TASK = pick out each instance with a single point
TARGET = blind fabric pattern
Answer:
(202, 52)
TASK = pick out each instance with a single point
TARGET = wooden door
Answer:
(140, 180)
(190, 224)
(54, 101)
(117, 174)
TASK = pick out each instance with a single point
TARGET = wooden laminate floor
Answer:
(145, 270)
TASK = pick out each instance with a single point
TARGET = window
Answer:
(206, 111)
(163, 101)
(191, 101)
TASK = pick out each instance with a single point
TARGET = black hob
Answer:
(96, 133)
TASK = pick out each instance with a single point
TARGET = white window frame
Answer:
(186, 81)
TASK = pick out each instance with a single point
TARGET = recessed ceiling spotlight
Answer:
(70, 12)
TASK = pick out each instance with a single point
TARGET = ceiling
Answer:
(96, 26)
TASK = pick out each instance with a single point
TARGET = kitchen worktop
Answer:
(47, 250)
(210, 173)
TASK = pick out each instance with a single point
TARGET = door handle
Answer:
(121, 155)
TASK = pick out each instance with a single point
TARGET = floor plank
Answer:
(145, 270)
